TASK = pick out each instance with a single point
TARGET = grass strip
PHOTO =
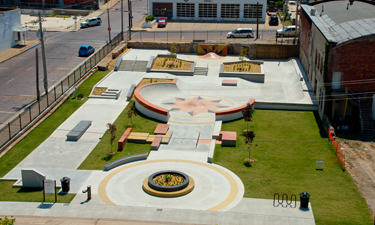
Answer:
(286, 146)
(9, 193)
(10, 159)
(99, 157)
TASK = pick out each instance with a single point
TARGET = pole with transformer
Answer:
(43, 57)
(130, 19)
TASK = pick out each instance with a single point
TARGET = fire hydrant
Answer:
(88, 190)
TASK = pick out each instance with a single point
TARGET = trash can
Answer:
(65, 184)
(304, 199)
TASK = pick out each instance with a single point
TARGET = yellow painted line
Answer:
(10, 80)
(233, 184)
(58, 51)
(170, 121)
(29, 69)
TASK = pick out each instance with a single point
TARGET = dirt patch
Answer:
(111, 65)
(99, 91)
(242, 67)
(360, 163)
(165, 63)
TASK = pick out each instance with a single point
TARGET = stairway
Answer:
(367, 127)
(200, 71)
(126, 65)
(140, 66)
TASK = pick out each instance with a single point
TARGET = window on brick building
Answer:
(336, 80)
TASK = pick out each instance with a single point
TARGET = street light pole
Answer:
(109, 24)
(43, 57)
(257, 20)
(130, 19)
(122, 21)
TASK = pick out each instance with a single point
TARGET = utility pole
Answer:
(109, 24)
(257, 20)
(122, 20)
(37, 74)
(282, 31)
(43, 57)
(130, 19)
(295, 35)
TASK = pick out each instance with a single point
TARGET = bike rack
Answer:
(286, 200)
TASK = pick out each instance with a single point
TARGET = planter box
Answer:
(148, 24)
(253, 77)
(174, 72)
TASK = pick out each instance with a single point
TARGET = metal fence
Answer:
(26, 116)
(207, 35)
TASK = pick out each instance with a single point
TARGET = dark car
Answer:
(162, 22)
(86, 50)
(274, 20)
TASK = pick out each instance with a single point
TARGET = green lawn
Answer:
(9, 160)
(99, 157)
(288, 145)
(9, 193)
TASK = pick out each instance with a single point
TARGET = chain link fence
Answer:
(27, 115)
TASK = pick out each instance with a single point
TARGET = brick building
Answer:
(337, 50)
(68, 4)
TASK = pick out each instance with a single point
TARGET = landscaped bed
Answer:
(287, 145)
(170, 63)
(168, 179)
(99, 91)
(242, 67)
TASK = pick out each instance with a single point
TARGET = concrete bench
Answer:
(211, 152)
(229, 83)
(228, 138)
(130, 92)
(78, 130)
(128, 159)
(167, 137)
(161, 129)
(138, 137)
(124, 139)
(156, 143)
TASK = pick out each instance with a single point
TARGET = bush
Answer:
(53, 14)
(7, 221)
(149, 18)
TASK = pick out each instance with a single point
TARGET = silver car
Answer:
(95, 21)
(241, 33)
(288, 31)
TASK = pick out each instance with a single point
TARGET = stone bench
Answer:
(161, 129)
(229, 83)
(211, 152)
(228, 138)
(130, 92)
(124, 139)
(167, 137)
(128, 159)
(138, 137)
(78, 130)
(156, 143)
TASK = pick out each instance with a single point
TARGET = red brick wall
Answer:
(304, 33)
(356, 61)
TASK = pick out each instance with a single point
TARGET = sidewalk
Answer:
(18, 49)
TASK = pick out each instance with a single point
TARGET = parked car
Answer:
(162, 22)
(292, 3)
(274, 20)
(241, 32)
(95, 21)
(288, 31)
(86, 50)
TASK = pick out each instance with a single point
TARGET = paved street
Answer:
(17, 75)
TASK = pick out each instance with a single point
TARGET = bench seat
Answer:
(128, 159)
(156, 143)
(124, 139)
(78, 130)
(161, 129)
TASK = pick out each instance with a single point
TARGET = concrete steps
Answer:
(200, 71)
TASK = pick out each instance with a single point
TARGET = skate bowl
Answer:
(157, 100)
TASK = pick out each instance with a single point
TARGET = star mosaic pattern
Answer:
(196, 105)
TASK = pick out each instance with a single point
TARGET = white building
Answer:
(10, 27)
(213, 10)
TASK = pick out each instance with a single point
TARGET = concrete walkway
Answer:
(18, 49)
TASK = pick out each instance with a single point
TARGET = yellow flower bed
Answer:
(168, 179)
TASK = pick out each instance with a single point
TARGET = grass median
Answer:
(286, 146)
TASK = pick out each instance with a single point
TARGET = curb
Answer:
(33, 46)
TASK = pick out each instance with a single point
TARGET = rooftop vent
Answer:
(313, 12)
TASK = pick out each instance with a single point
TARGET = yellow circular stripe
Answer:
(179, 193)
(233, 184)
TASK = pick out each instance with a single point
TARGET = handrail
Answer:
(135, 60)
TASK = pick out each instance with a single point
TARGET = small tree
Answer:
(112, 129)
(173, 49)
(250, 135)
(247, 113)
(132, 112)
(243, 54)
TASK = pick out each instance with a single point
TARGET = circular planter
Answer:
(168, 191)
(158, 187)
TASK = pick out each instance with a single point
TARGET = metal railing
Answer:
(204, 35)
(27, 115)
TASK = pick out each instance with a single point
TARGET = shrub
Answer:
(149, 18)
(53, 14)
